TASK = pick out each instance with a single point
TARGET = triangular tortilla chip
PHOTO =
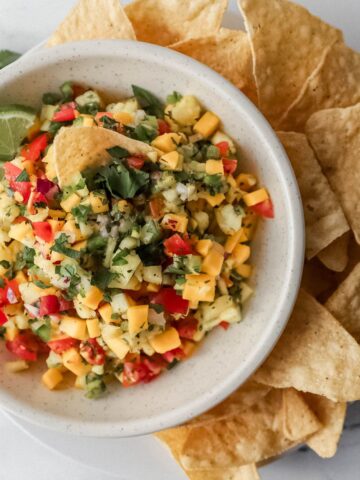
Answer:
(79, 148)
(317, 280)
(228, 53)
(335, 136)
(169, 21)
(315, 354)
(324, 218)
(335, 256)
(335, 84)
(94, 20)
(288, 44)
(344, 303)
(332, 416)
(272, 425)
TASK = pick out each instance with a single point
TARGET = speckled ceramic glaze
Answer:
(226, 359)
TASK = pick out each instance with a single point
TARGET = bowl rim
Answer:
(296, 235)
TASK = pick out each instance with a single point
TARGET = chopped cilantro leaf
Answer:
(22, 177)
(119, 259)
(214, 183)
(81, 213)
(96, 243)
(5, 264)
(118, 152)
(102, 278)
(152, 254)
(108, 122)
(148, 101)
(122, 182)
(174, 97)
(61, 246)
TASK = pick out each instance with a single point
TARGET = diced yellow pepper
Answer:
(56, 214)
(203, 246)
(244, 270)
(117, 345)
(256, 197)
(240, 254)
(52, 378)
(177, 223)
(21, 231)
(93, 327)
(167, 142)
(98, 203)
(106, 312)
(34, 129)
(199, 288)
(73, 361)
(137, 318)
(93, 296)
(234, 239)
(207, 124)
(213, 262)
(16, 366)
(171, 161)
(74, 327)
(165, 341)
(123, 117)
(213, 200)
(69, 203)
(245, 181)
(214, 167)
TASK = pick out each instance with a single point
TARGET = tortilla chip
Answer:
(175, 439)
(315, 354)
(318, 280)
(324, 218)
(335, 256)
(344, 303)
(335, 84)
(79, 148)
(274, 424)
(94, 20)
(169, 21)
(228, 53)
(335, 136)
(288, 44)
(332, 416)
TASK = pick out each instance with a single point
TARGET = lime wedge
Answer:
(15, 120)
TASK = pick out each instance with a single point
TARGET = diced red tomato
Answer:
(224, 325)
(3, 318)
(156, 206)
(186, 327)
(43, 230)
(65, 304)
(223, 148)
(175, 354)
(92, 352)
(49, 304)
(264, 209)
(176, 245)
(39, 198)
(171, 301)
(62, 344)
(136, 161)
(24, 188)
(163, 127)
(67, 113)
(3, 300)
(142, 370)
(33, 150)
(12, 293)
(26, 346)
(230, 165)
(155, 364)
(11, 171)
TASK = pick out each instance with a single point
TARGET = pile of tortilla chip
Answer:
(306, 81)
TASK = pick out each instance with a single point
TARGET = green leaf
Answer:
(102, 278)
(148, 101)
(25, 259)
(22, 177)
(40, 284)
(174, 97)
(51, 98)
(122, 182)
(144, 133)
(81, 213)
(152, 254)
(119, 259)
(67, 91)
(108, 122)
(90, 108)
(214, 183)
(5, 264)
(96, 243)
(7, 57)
(61, 246)
(118, 152)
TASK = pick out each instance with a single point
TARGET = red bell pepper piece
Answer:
(177, 246)
(3, 300)
(264, 209)
(11, 171)
(67, 113)
(230, 165)
(171, 301)
(92, 352)
(136, 161)
(43, 230)
(33, 150)
(12, 293)
(186, 327)
(224, 325)
(49, 304)
(24, 188)
(175, 354)
(3, 318)
(163, 127)
(26, 346)
(223, 148)
(62, 344)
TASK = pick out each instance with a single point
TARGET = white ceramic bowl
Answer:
(226, 359)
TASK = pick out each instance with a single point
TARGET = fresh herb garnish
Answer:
(67, 91)
(148, 101)
(214, 183)
(122, 182)
(152, 254)
(61, 246)
(144, 133)
(118, 152)
(108, 123)
(96, 243)
(90, 108)
(25, 259)
(40, 284)
(102, 278)
(119, 258)
(174, 97)
(22, 177)
(5, 264)
(81, 213)
(51, 98)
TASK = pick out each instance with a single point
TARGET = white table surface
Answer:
(23, 24)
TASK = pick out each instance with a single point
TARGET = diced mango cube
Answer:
(123, 117)
(188, 348)
(93, 327)
(171, 161)
(56, 214)
(199, 288)
(214, 167)
(213, 262)
(117, 345)
(74, 327)
(52, 378)
(244, 270)
(165, 341)
(98, 202)
(177, 223)
(93, 296)
(153, 287)
(167, 142)
(256, 197)
(207, 124)
(234, 239)
(106, 312)
(73, 361)
(79, 245)
(20, 277)
(137, 318)
(213, 200)
(16, 366)
(203, 246)
(21, 231)
(240, 254)
(69, 203)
